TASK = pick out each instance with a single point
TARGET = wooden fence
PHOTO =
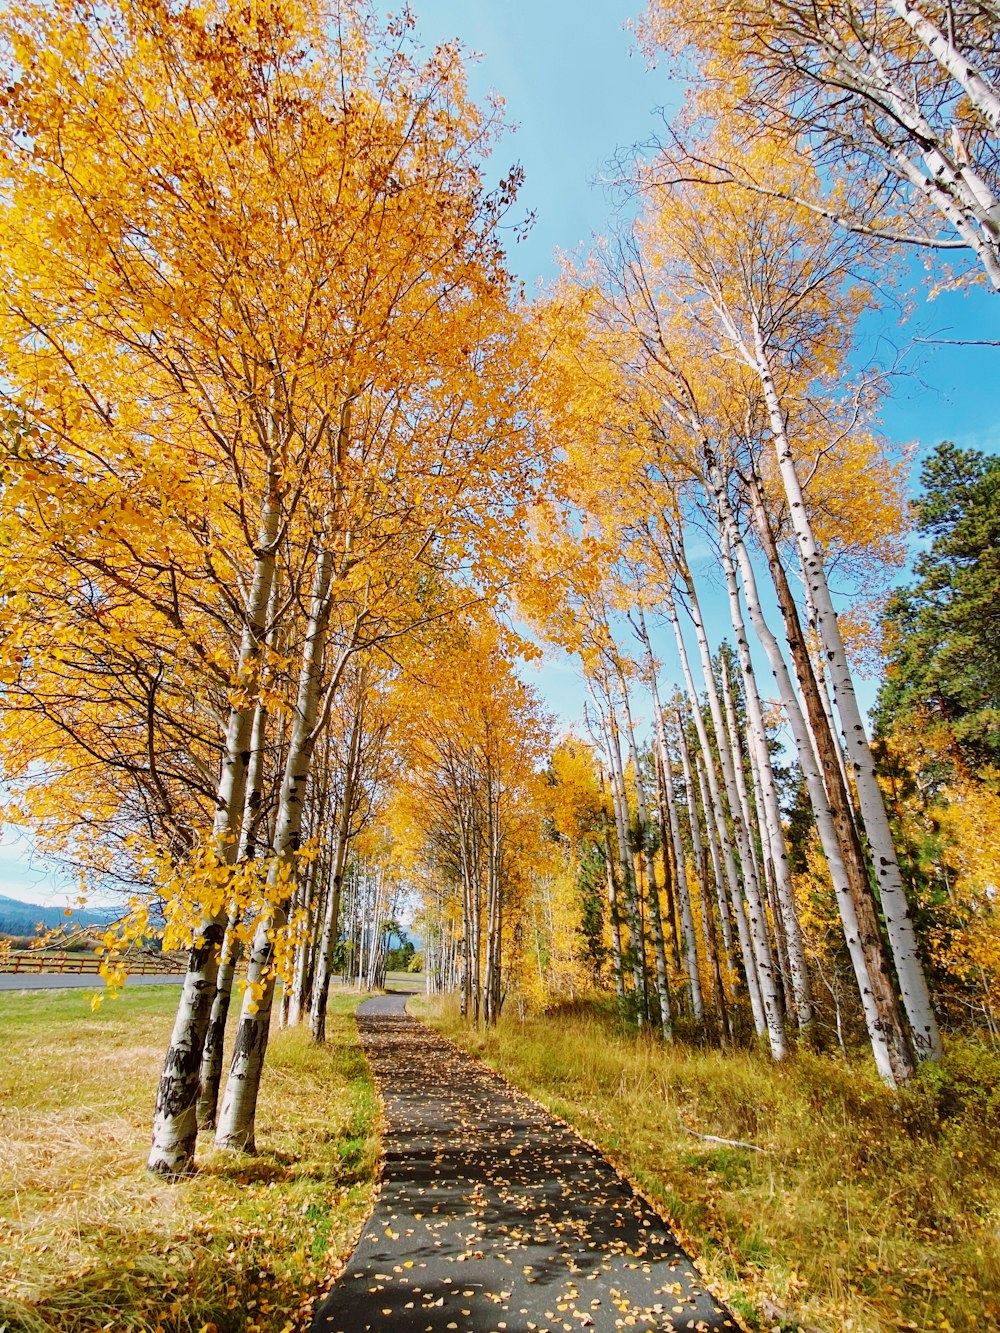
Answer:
(84, 964)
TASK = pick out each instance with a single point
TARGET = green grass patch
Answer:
(90, 1241)
(864, 1209)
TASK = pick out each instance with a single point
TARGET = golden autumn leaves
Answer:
(275, 410)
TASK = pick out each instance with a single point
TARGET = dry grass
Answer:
(89, 1241)
(865, 1210)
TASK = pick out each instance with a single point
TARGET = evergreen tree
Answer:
(943, 632)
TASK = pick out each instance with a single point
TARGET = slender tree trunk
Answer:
(895, 909)
(770, 994)
(834, 817)
(331, 921)
(759, 853)
(308, 900)
(670, 876)
(683, 892)
(716, 831)
(712, 952)
(669, 865)
(311, 898)
(175, 1117)
(239, 1107)
(613, 914)
(731, 880)
(701, 869)
(491, 979)
(232, 945)
(475, 895)
(976, 87)
(799, 972)
(770, 877)
(630, 889)
(655, 918)
(715, 813)
(823, 684)
(375, 971)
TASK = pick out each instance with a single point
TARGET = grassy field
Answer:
(863, 1210)
(89, 1241)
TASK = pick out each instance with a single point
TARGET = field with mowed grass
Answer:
(90, 1241)
(852, 1207)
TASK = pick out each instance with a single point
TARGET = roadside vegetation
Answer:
(90, 1240)
(854, 1207)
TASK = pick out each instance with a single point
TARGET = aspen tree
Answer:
(752, 922)
(330, 925)
(655, 917)
(672, 850)
(630, 890)
(774, 309)
(235, 1128)
(772, 818)
(469, 798)
(194, 184)
(683, 892)
(714, 819)
(761, 864)
(838, 835)
(899, 923)
(708, 928)
(896, 102)
(210, 1075)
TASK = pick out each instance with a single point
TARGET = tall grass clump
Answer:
(89, 1240)
(836, 1204)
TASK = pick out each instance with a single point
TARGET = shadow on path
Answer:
(494, 1218)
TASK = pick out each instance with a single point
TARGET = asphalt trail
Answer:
(493, 1217)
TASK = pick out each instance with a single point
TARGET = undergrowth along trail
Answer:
(89, 1240)
(861, 1209)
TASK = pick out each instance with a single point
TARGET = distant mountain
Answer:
(20, 918)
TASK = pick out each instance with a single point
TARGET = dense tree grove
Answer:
(294, 482)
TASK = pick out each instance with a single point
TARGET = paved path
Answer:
(495, 1218)
(77, 980)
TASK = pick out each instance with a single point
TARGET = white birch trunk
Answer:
(945, 179)
(980, 92)
(683, 892)
(770, 992)
(716, 832)
(822, 680)
(655, 917)
(619, 798)
(232, 945)
(613, 914)
(310, 899)
(374, 974)
(877, 1026)
(716, 811)
(895, 909)
(236, 1120)
(781, 942)
(701, 869)
(762, 861)
(175, 1118)
(769, 798)
(331, 920)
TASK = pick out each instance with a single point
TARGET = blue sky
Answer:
(577, 90)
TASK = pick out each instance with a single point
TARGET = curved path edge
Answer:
(494, 1216)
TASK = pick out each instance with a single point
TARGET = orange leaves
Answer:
(574, 797)
(256, 300)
